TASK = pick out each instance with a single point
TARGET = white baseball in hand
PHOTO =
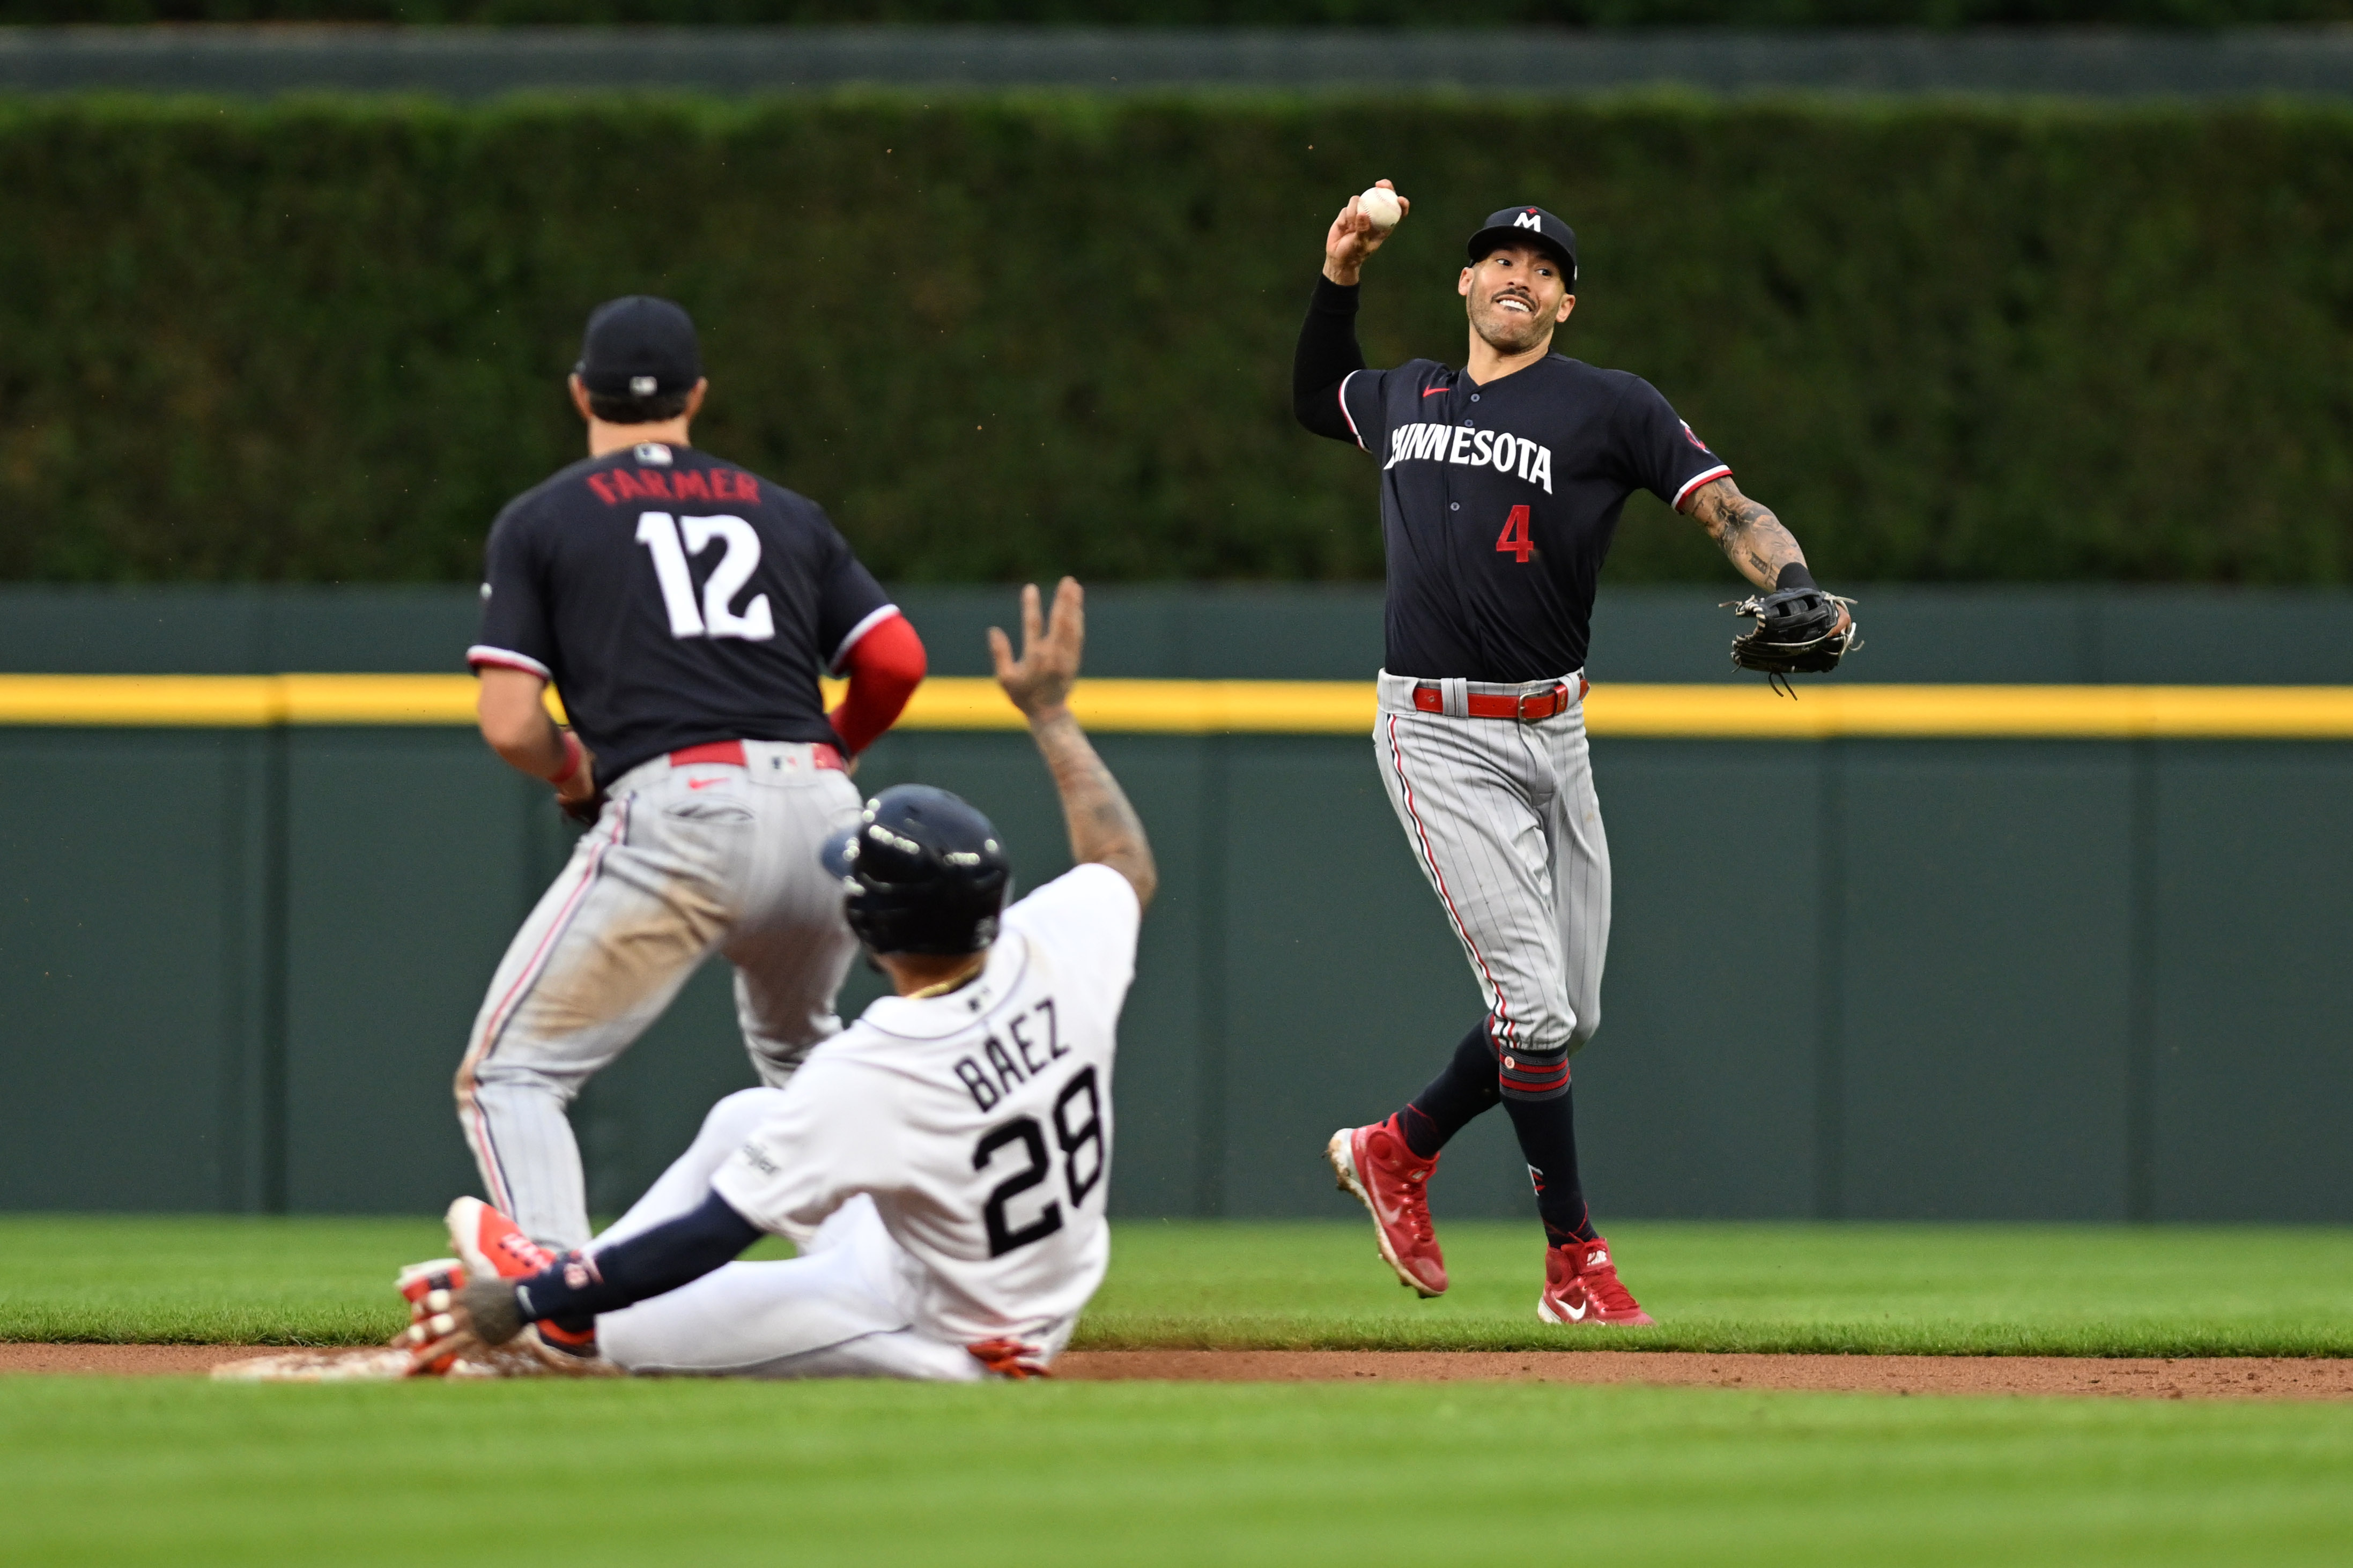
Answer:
(1380, 204)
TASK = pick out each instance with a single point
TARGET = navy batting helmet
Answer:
(921, 872)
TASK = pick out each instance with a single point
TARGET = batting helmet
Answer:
(921, 872)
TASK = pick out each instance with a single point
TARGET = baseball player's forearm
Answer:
(1750, 536)
(651, 1263)
(515, 722)
(1326, 355)
(1104, 828)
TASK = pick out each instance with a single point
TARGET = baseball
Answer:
(1381, 207)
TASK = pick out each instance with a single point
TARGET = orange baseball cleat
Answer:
(492, 1244)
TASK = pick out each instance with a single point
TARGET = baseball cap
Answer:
(1523, 225)
(639, 346)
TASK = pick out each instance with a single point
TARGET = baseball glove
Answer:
(1797, 633)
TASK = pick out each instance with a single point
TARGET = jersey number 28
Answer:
(658, 533)
(1080, 1174)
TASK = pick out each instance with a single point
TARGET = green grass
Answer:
(184, 1472)
(2007, 1290)
(1914, 1288)
(180, 1471)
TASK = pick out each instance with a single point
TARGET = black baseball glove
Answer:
(1797, 633)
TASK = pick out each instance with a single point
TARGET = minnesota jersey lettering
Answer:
(1464, 602)
(1496, 449)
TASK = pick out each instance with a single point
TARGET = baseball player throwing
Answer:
(685, 608)
(1500, 486)
(942, 1163)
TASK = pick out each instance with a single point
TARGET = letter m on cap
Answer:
(1528, 219)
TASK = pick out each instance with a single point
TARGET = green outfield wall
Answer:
(1614, 14)
(2050, 979)
(1007, 335)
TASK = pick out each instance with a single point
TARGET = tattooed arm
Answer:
(1747, 532)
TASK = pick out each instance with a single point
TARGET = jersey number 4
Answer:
(1080, 1174)
(658, 533)
(1515, 541)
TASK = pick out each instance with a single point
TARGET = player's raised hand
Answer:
(1040, 679)
(1358, 231)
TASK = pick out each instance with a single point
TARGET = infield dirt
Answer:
(2225, 1377)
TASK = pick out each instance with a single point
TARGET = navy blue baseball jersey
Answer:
(1498, 501)
(673, 599)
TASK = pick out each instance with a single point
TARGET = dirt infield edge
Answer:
(2251, 1377)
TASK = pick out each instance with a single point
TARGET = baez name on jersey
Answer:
(1495, 449)
(996, 1072)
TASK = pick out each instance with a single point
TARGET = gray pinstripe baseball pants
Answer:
(1504, 823)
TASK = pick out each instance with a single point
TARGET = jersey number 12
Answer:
(658, 533)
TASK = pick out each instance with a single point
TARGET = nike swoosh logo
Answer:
(703, 783)
(1575, 1314)
(1436, 390)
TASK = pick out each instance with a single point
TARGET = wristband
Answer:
(1794, 576)
(575, 754)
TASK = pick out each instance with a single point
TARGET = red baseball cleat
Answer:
(1581, 1286)
(1393, 1184)
(492, 1244)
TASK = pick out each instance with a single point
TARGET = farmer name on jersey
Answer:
(997, 1070)
(1475, 448)
(616, 485)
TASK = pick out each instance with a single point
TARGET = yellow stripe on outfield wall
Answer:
(1822, 711)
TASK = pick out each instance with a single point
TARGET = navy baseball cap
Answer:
(1524, 225)
(639, 346)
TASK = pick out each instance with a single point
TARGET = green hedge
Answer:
(1004, 337)
(1221, 12)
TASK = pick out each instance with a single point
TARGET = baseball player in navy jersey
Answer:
(684, 609)
(1502, 483)
(942, 1163)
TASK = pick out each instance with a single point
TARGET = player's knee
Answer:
(733, 1118)
(1588, 1024)
(494, 1079)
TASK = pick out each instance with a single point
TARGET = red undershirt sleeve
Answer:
(885, 667)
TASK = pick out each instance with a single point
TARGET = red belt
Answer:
(730, 754)
(1526, 710)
